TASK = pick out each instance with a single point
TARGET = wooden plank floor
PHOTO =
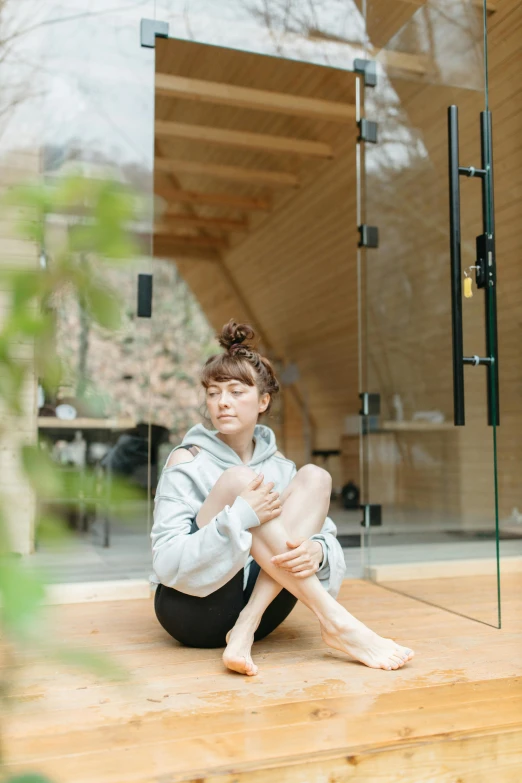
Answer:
(310, 716)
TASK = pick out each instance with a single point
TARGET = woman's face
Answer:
(234, 406)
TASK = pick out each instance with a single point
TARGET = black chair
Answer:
(128, 459)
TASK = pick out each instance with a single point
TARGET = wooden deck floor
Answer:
(310, 716)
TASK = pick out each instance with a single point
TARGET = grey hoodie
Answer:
(202, 562)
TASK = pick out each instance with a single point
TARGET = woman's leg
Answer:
(200, 622)
(305, 504)
(302, 514)
(339, 628)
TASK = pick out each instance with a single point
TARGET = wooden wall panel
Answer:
(299, 269)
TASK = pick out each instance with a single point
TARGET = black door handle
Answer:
(490, 267)
(485, 268)
(456, 284)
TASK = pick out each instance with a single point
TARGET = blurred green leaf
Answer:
(12, 376)
(25, 286)
(41, 472)
(51, 529)
(29, 778)
(26, 322)
(21, 592)
(47, 364)
(103, 306)
(72, 190)
(32, 195)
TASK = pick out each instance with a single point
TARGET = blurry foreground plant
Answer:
(79, 226)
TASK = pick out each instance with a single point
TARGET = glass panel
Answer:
(86, 106)
(251, 245)
(327, 33)
(435, 481)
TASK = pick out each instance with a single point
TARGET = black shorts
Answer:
(204, 622)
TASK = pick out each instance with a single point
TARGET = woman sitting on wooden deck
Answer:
(240, 535)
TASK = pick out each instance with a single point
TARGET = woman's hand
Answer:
(265, 503)
(303, 559)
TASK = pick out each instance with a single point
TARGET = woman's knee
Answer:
(316, 478)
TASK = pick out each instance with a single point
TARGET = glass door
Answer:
(429, 308)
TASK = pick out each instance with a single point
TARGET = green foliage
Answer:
(79, 226)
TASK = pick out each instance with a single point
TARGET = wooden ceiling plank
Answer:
(243, 139)
(177, 196)
(250, 98)
(405, 62)
(221, 224)
(491, 5)
(167, 234)
(231, 173)
(171, 252)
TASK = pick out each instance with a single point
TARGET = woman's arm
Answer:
(332, 570)
(204, 561)
(333, 566)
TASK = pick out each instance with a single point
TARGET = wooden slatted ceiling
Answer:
(267, 175)
(242, 139)
(230, 173)
(252, 98)
(188, 60)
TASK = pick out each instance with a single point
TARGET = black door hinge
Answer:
(369, 69)
(150, 29)
(367, 131)
(369, 236)
(370, 404)
(144, 309)
(372, 515)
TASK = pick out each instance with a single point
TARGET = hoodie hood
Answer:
(265, 444)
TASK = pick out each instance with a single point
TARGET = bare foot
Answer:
(237, 655)
(367, 647)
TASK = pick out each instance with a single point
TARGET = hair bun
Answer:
(233, 332)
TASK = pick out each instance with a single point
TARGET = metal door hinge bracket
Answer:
(367, 131)
(369, 69)
(372, 515)
(369, 236)
(150, 29)
(370, 404)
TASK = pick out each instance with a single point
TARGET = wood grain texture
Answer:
(183, 717)
(242, 139)
(252, 98)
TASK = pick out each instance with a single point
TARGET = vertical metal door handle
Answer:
(490, 312)
(455, 256)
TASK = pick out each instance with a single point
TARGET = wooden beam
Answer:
(243, 139)
(413, 63)
(233, 173)
(251, 98)
(220, 224)
(168, 234)
(491, 5)
(169, 250)
(244, 203)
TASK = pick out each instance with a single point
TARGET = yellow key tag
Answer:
(468, 292)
